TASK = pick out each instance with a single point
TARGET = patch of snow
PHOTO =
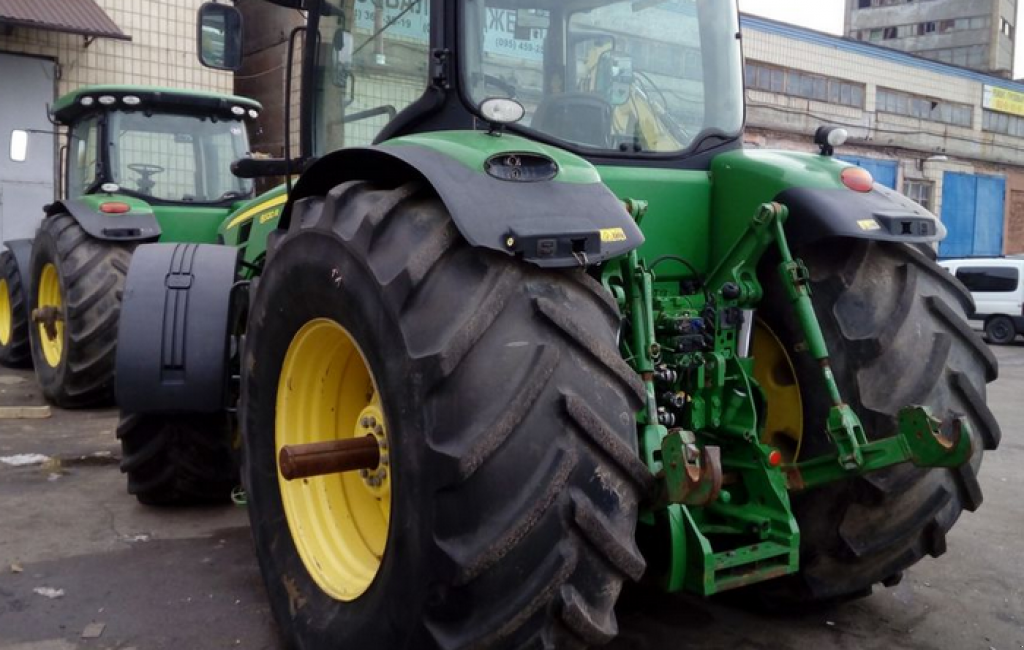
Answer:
(19, 460)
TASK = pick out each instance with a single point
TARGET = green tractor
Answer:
(142, 164)
(532, 323)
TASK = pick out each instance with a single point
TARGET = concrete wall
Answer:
(162, 50)
(879, 129)
(996, 50)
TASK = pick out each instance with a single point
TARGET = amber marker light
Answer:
(114, 207)
(857, 179)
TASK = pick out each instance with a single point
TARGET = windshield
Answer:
(616, 75)
(178, 158)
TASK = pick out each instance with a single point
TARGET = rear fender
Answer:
(882, 214)
(139, 224)
(173, 336)
(565, 220)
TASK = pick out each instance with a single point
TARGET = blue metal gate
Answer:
(973, 209)
(883, 171)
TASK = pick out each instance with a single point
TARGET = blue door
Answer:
(883, 171)
(972, 209)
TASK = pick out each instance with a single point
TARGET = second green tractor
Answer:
(141, 164)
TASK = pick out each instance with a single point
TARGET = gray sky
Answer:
(824, 15)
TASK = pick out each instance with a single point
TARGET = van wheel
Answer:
(999, 330)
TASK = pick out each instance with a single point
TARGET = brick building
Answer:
(49, 47)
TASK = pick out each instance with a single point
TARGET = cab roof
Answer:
(70, 107)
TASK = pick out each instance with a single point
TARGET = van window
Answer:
(990, 279)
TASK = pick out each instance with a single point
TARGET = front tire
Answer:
(999, 330)
(895, 326)
(14, 343)
(514, 476)
(178, 460)
(78, 282)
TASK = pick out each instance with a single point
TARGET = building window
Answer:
(796, 83)
(1002, 123)
(1006, 28)
(924, 108)
(920, 191)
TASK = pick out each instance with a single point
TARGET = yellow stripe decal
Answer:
(256, 209)
(613, 235)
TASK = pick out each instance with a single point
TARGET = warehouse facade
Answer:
(948, 137)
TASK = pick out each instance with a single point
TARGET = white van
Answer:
(995, 283)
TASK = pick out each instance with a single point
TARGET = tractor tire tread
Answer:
(862, 531)
(174, 460)
(92, 274)
(16, 353)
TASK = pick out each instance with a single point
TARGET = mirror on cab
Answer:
(220, 36)
(19, 145)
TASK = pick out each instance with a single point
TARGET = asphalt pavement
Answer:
(83, 565)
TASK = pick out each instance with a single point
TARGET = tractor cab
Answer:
(607, 79)
(165, 147)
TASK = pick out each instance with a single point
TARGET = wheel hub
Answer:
(378, 479)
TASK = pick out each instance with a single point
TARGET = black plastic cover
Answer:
(881, 214)
(173, 346)
(545, 222)
(130, 226)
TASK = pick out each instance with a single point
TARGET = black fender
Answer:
(173, 336)
(816, 214)
(129, 226)
(545, 222)
(21, 249)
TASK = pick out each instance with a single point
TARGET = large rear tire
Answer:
(14, 344)
(78, 281)
(895, 325)
(178, 460)
(513, 474)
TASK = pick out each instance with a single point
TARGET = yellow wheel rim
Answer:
(51, 339)
(6, 314)
(774, 371)
(339, 522)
